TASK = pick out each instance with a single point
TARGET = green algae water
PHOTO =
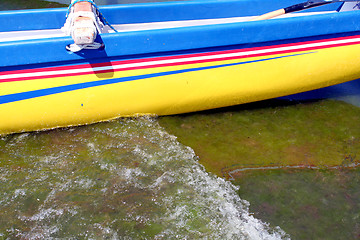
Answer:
(127, 179)
(273, 133)
(131, 179)
(297, 163)
(306, 203)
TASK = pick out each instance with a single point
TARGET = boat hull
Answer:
(83, 90)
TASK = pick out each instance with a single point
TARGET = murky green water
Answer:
(274, 133)
(307, 204)
(131, 179)
(296, 163)
(125, 179)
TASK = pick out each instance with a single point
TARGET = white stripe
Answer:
(180, 60)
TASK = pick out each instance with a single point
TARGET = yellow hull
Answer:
(58, 97)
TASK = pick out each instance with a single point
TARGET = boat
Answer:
(170, 58)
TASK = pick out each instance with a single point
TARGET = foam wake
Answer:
(127, 179)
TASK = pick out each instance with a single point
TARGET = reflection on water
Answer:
(127, 178)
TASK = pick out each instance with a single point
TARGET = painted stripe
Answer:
(55, 90)
(173, 60)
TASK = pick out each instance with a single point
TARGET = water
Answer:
(307, 203)
(295, 162)
(127, 179)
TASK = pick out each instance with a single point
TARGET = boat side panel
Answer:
(80, 94)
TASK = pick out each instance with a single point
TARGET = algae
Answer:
(295, 162)
(307, 204)
(271, 134)
(125, 179)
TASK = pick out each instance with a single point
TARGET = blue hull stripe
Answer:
(50, 91)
